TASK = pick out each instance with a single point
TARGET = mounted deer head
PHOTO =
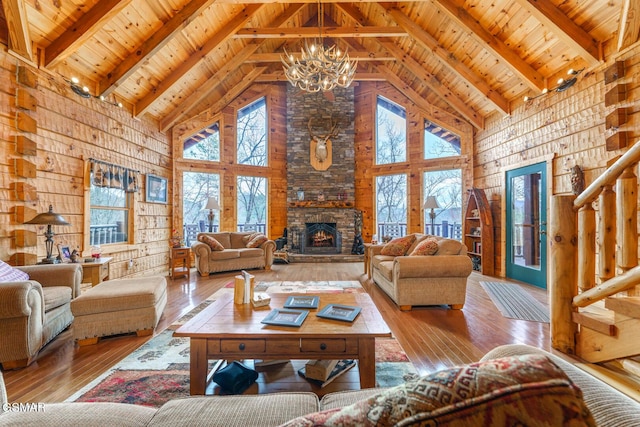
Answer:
(321, 151)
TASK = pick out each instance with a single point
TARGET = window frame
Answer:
(376, 130)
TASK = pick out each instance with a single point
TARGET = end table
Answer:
(180, 263)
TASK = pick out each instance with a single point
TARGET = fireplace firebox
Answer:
(321, 238)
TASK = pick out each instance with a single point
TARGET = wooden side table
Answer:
(96, 271)
(180, 263)
(367, 259)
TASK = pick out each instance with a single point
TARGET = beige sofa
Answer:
(608, 406)
(34, 311)
(235, 256)
(424, 280)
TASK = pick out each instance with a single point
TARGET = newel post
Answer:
(563, 268)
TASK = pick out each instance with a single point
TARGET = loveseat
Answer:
(608, 406)
(229, 251)
(438, 276)
(34, 311)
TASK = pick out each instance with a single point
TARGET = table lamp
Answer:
(48, 218)
(212, 204)
(431, 203)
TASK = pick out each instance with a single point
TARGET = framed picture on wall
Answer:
(156, 189)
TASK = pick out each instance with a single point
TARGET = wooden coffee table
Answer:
(228, 331)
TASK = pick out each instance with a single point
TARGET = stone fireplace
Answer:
(321, 238)
(328, 194)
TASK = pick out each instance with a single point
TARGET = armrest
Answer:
(56, 275)
(269, 247)
(432, 266)
(375, 249)
(19, 299)
(201, 249)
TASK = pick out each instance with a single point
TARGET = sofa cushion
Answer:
(449, 247)
(10, 274)
(247, 238)
(386, 269)
(240, 239)
(251, 253)
(257, 240)
(55, 296)
(224, 238)
(226, 254)
(211, 241)
(398, 246)
(521, 390)
(425, 247)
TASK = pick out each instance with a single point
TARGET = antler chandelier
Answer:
(319, 67)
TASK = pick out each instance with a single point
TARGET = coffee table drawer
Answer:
(241, 346)
(320, 345)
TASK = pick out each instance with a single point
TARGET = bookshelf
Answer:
(478, 231)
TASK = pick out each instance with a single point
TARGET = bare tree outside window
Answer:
(391, 199)
(252, 200)
(197, 187)
(446, 186)
(439, 142)
(205, 145)
(252, 134)
(391, 132)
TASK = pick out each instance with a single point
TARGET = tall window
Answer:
(391, 205)
(446, 186)
(439, 142)
(391, 132)
(204, 145)
(252, 203)
(110, 199)
(252, 134)
(197, 188)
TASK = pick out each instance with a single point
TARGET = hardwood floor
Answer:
(433, 337)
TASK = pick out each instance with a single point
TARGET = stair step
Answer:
(628, 306)
(602, 321)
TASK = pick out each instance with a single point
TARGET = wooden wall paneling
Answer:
(616, 118)
(616, 94)
(26, 76)
(23, 258)
(21, 214)
(24, 192)
(25, 100)
(25, 238)
(25, 122)
(24, 168)
(26, 146)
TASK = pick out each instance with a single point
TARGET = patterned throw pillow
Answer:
(519, 390)
(10, 274)
(257, 240)
(398, 246)
(212, 242)
(246, 239)
(426, 247)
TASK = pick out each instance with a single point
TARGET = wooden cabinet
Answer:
(96, 271)
(478, 231)
(180, 264)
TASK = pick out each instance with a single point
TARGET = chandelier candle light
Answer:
(319, 67)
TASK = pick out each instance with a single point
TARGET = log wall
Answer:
(567, 129)
(61, 131)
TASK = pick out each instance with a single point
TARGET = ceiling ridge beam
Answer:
(82, 30)
(198, 56)
(456, 11)
(160, 38)
(213, 82)
(314, 32)
(359, 77)
(361, 56)
(15, 14)
(565, 29)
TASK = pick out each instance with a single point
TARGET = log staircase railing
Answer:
(593, 266)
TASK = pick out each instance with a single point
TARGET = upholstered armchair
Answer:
(34, 311)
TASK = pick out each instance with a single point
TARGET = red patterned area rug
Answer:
(158, 371)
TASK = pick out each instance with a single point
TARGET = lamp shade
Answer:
(212, 203)
(48, 218)
(431, 203)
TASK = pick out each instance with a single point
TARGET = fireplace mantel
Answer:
(340, 204)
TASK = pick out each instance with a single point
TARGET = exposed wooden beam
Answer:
(82, 30)
(361, 56)
(359, 77)
(191, 102)
(417, 98)
(157, 41)
(220, 37)
(313, 32)
(565, 29)
(629, 24)
(18, 28)
(445, 57)
(455, 10)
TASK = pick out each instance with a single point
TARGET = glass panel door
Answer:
(526, 225)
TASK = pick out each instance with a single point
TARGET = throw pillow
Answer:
(10, 274)
(211, 241)
(246, 239)
(426, 247)
(520, 390)
(398, 246)
(257, 240)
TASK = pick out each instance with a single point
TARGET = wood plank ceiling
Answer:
(173, 59)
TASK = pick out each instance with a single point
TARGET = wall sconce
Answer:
(83, 91)
(561, 86)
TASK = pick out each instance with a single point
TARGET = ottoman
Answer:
(117, 307)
